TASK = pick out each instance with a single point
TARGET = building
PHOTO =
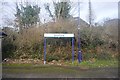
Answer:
(2, 34)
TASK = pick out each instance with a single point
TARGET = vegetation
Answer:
(61, 10)
(27, 15)
(83, 65)
(96, 42)
(30, 45)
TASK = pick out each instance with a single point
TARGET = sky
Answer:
(101, 9)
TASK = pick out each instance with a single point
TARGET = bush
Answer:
(104, 56)
(30, 43)
(91, 38)
(8, 45)
(52, 57)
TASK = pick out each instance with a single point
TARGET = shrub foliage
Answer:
(30, 44)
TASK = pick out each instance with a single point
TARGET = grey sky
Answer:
(102, 9)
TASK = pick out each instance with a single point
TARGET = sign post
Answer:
(73, 49)
(57, 35)
(44, 50)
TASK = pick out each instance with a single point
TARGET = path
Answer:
(58, 72)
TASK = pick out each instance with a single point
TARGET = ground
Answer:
(83, 70)
(58, 72)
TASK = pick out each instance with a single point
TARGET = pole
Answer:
(79, 42)
(72, 49)
(44, 50)
(90, 14)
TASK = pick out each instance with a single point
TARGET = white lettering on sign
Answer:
(58, 35)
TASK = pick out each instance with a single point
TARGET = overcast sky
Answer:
(102, 9)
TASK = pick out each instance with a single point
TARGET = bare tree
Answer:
(61, 10)
(47, 7)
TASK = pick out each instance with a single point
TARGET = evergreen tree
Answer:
(26, 16)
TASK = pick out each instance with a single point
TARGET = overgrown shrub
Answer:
(8, 45)
(104, 56)
(52, 57)
(91, 37)
(30, 43)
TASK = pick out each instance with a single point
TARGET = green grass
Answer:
(16, 65)
(96, 64)
(29, 68)
(87, 64)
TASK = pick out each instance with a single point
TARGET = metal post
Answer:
(79, 51)
(73, 49)
(79, 42)
(44, 50)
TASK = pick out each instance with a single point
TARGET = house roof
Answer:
(2, 34)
